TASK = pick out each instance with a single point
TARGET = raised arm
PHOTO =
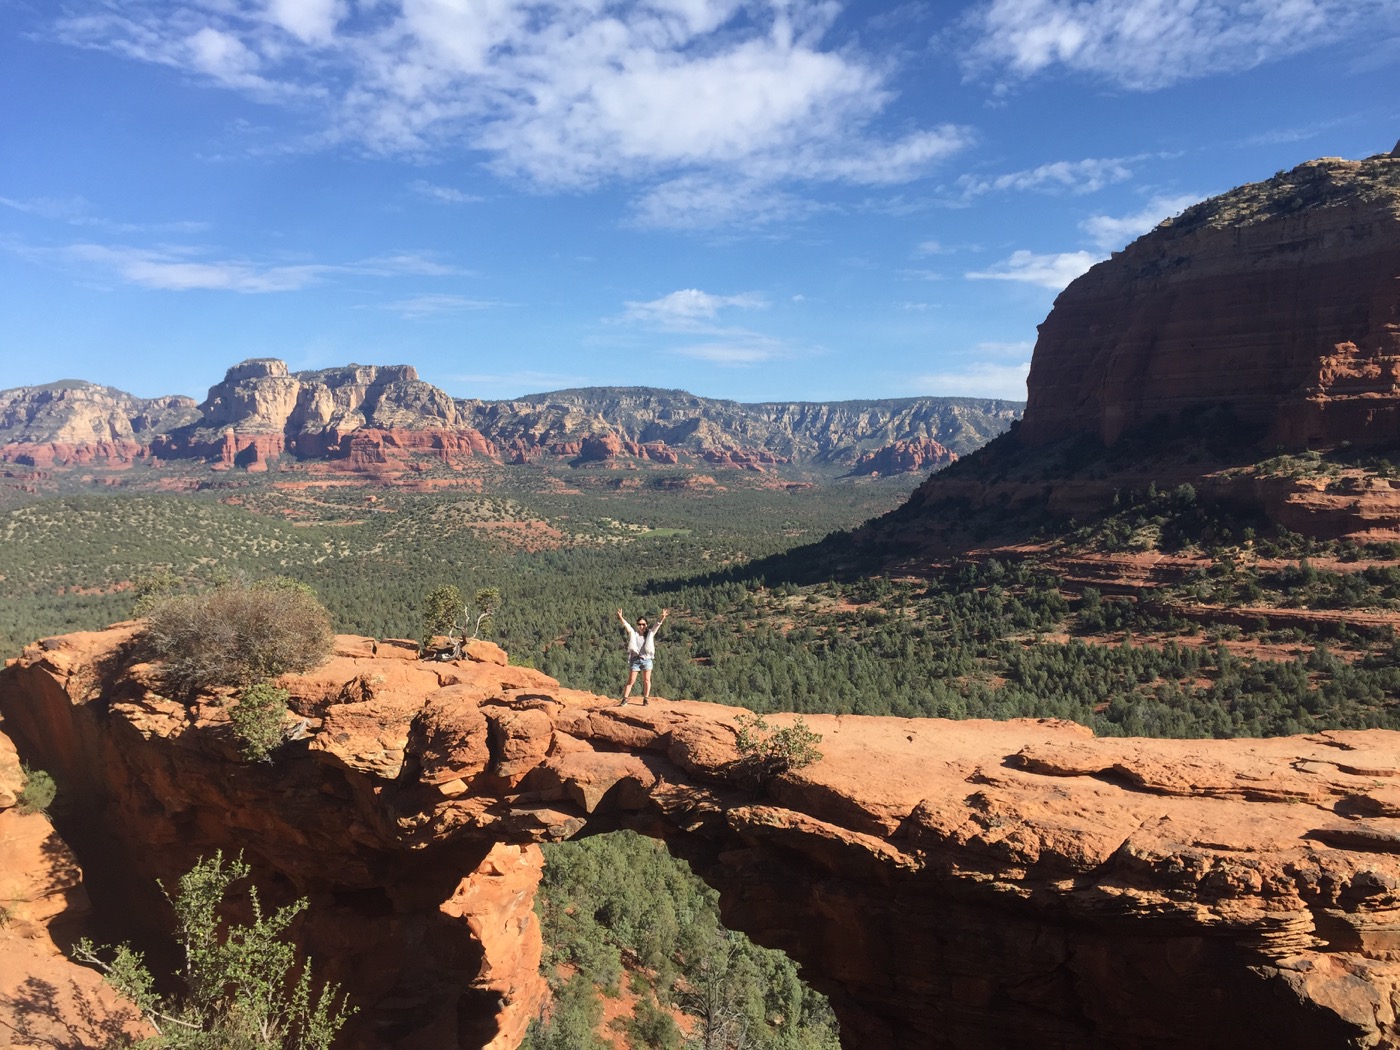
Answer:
(664, 613)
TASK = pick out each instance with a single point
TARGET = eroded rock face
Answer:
(947, 884)
(1280, 300)
(45, 1000)
(383, 420)
(902, 457)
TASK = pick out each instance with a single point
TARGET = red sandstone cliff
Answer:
(45, 1000)
(904, 457)
(971, 884)
(1280, 299)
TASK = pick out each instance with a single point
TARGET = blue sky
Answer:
(789, 200)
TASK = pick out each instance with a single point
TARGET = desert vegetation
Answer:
(240, 985)
(626, 924)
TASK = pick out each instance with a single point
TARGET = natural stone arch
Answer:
(970, 884)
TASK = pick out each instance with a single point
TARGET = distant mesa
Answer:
(384, 421)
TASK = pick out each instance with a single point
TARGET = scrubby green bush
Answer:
(771, 752)
(38, 792)
(257, 719)
(243, 986)
(238, 634)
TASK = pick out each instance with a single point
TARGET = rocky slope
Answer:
(975, 884)
(385, 420)
(1280, 300)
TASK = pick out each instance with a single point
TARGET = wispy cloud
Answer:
(1112, 232)
(182, 268)
(731, 354)
(1144, 45)
(78, 211)
(420, 306)
(977, 379)
(1052, 271)
(559, 94)
(1073, 176)
(695, 313)
(443, 194)
(689, 309)
(172, 270)
(704, 202)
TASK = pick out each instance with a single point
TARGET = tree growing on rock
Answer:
(445, 613)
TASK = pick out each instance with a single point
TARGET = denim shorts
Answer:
(639, 663)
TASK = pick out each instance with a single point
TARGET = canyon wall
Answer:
(1279, 300)
(947, 884)
(382, 420)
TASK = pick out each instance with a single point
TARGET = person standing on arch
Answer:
(641, 651)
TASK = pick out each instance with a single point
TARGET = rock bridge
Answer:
(946, 884)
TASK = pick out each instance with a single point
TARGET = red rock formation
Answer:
(45, 1000)
(1280, 300)
(56, 454)
(972, 884)
(904, 457)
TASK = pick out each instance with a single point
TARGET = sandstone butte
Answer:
(948, 884)
(1267, 318)
(1279, 300)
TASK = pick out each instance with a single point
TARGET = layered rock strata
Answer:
(1279, 300)
(384, 420)
(970, 885)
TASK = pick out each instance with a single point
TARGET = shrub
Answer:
(440, 611)
(768, 752)
(244, 987)
(257, 719)
(446, 613)
(38, 792)
(238, 633)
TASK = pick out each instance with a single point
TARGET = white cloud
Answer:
(932, 248)
(563, 94)
(77, 211)
(735, 353)
(445, 194)
(311, 21)
(420, 306)
(1145, 45)
(170, 270)
(689, 309)
(1052, 271)
(419, 264)
(181, 268)
(977, 379)
(1110, 232)
(1076, 176)
(699, 202)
